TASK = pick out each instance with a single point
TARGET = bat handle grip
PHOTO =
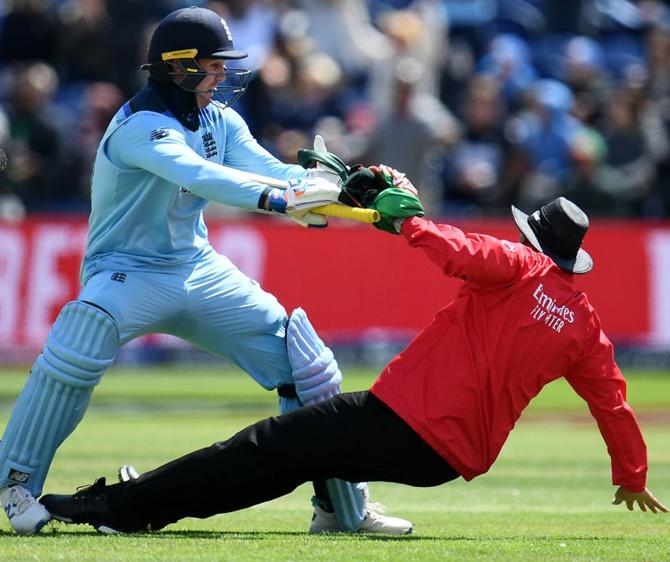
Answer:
(368, 216)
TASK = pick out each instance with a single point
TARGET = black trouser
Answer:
(354, 436)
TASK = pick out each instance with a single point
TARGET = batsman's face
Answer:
(215, 70)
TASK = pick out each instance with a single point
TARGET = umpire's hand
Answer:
(644, 499)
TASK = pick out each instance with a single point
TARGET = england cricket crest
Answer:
(209, 145)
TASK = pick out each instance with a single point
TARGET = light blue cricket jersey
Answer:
(153, 177)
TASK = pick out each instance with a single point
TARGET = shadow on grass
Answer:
(56, 534)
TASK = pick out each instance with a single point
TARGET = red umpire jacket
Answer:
(516, 324)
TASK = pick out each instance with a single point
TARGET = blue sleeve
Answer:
(244, 153)
(156, 143)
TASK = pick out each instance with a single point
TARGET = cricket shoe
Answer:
(26, 515)
(89, 505)
(374, 522)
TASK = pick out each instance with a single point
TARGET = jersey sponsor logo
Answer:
(18, 476)
(547, 311)
(158, 134)
(210, 145)
(119, 277)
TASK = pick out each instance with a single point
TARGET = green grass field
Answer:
(547, 498)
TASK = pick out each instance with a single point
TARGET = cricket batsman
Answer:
(441, 409)
(149, 266)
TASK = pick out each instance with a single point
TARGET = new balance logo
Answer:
(158, 134)
(209, 144)
(119, 277)
(18, 476)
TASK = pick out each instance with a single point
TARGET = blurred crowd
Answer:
(483, 103)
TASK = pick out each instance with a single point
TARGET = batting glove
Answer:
(307, 193)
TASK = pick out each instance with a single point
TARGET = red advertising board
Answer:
(349, 278)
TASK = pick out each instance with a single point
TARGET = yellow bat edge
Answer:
(368, 216)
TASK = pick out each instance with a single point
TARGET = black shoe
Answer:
(88, 505)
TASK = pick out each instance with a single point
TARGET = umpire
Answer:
(441, 409)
